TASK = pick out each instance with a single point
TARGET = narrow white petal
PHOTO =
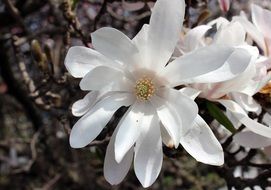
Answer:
(148, 151)
(141, 42)
(165, 27)
(214, 63)
(201, 143)
(129, 130)
(232, 34)
(115, 172)
(252, 31)
(236, 64)
(80, 107)
(90, 125)
(251, 140)
(241, 115)
(80, 60)
(114, 45)
(246, 102)
(261, 19)
(103, 76)
(193, 39)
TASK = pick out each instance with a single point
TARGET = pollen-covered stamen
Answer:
(144, 88)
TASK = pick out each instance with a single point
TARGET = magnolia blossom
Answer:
(235, 94)
(137, 73)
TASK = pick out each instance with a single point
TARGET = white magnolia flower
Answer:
(235, 94)
(136, 73)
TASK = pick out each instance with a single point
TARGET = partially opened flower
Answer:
(235, 94)
(136, 73)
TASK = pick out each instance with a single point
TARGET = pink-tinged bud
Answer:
(224, 5)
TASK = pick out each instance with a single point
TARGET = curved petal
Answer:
(165, 27)
(262, 19)
(148, 151)
(193, 38)
(251, 140)
(80, 60)
(166, 138)
(129, 130)
(246, 102)
(169, 117)
(201, 143)
(80, 107)
(90, 125)
(252, 31)
(115, 172)
(214, 63)
(103, 76)
(232, 34)
(241, 115)
(176, 112)
(115, 45)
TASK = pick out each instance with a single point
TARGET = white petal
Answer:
(165, 27)
(241, 115)
(190, 92)
(129, 130)
(90, 125)
(148, 151)
(232, 34)
(184, 106)
(214, 63)
(114, 45)
(166, 138)
(80, 60)
(193, 39)
(201, 143)
(80, 107)
(169, 117)
(246, 102)
(262, 19)
(218, 22)
(236, 64)
(256, 35)
(141, 42)
(103, 76)
(115, 172)
(251, 140)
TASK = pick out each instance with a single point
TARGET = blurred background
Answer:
(36, 94)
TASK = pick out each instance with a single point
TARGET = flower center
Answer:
(144, 88)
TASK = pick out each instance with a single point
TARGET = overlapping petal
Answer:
(80, 107)
(241, 115)
(80, 60)
(164, 29)
(87, 128)
(214, 63)
(148, 151)
(115, 45)
(103, 76)
(114, 172)
(129, 130)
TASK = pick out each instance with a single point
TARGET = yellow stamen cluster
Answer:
(144, 88)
